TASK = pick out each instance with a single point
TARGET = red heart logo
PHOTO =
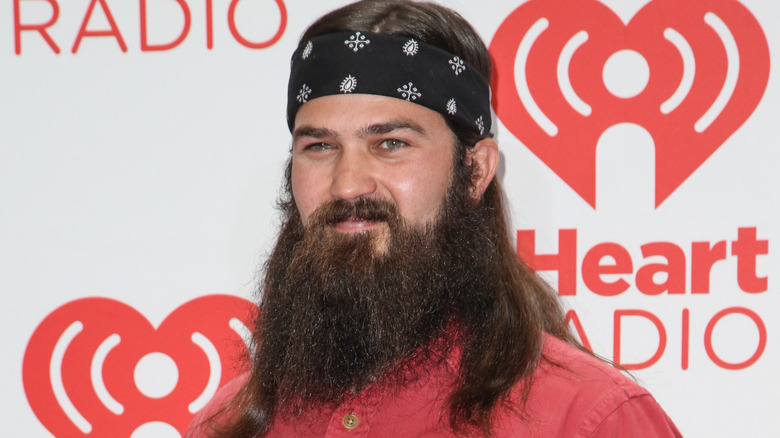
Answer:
(708, 63)
(82, 364)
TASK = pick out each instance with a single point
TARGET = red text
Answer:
(100, 7)
(607, 268)
(622, 314)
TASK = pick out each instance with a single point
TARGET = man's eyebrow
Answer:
(310, 131)
(390, 126)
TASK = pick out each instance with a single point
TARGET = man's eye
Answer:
(317, 147)
(393, 144)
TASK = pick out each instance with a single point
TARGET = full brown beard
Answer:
(338, 313)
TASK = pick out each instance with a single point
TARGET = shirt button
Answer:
(350, 421)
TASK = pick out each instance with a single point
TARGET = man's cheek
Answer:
(305, 210)
(307, 194)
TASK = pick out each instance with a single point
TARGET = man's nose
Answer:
(353, 175)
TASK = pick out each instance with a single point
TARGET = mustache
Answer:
(364, 209)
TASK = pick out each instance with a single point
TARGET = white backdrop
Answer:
(149, 177)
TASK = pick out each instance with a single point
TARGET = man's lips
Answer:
(353, 225)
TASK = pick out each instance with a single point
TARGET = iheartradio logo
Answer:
(700, 68)
(96, 367)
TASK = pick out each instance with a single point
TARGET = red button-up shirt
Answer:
(572, 395)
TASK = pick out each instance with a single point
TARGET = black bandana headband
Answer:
(388, 65)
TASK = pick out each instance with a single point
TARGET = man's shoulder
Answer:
(581, 372)
(575, 394)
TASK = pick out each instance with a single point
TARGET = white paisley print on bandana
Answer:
(452, 107)
(410, 48)
(307, 50)
(409, 92)
(457, 65)
(480, 125)
(348, 85)
(303, 94)
(357, 41)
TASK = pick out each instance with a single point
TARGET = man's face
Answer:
(382, 251)
(350, 147)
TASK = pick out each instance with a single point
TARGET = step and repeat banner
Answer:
(142, 145)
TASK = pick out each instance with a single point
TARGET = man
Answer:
(393, 303)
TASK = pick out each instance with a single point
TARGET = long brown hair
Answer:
(501, 343)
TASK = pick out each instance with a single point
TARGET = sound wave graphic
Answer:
(562, 78)
(93, 366)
